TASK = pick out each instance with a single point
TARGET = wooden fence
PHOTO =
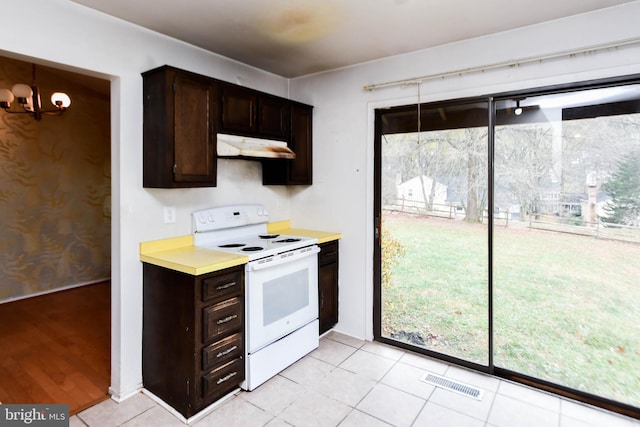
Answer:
(598, 230)
(569, 225)
(420, 208)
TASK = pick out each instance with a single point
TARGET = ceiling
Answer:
(293, 38)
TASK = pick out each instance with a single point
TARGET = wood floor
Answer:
(55, 348)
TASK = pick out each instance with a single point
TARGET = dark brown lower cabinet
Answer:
(328, 285)
(192, 336)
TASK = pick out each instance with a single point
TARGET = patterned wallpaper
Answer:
(55, 226)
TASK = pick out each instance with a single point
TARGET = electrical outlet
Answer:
(169, 214)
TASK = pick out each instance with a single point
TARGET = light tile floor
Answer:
(352, 383)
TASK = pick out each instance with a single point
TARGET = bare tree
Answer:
(523, 164)
(456, 158)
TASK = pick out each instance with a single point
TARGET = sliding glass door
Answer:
(566, 253)
(434, 188)
(508, 236)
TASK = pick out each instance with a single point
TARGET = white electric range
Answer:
(281, 286)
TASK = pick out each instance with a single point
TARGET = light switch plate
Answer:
(169, 214)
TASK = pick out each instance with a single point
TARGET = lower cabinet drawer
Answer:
(222, 351)
(328, 253)
(222, 286)
(222, 380)
(221, 319)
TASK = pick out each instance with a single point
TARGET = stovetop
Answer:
(242, 229)
(261, 246)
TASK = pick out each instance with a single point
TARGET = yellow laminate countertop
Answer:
(284, 227)
(178, 253)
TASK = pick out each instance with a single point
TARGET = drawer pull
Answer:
(225, 286)
(226, 378)
(227, 351)
(226, 319)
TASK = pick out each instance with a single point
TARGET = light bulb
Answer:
(6, 98)
(22, 90)
(28, 106)
(60, 100)
(518, 109)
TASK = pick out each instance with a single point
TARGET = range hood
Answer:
(243, 146)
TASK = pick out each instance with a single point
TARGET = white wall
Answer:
(341, 198)
(63, 34)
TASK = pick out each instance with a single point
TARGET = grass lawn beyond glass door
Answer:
(437, 294)
(567, 310)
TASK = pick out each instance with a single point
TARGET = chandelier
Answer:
(28, 96)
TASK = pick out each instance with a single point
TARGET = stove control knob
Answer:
(203, 220)
(211, 218)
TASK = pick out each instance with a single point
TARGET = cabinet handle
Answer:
(225, 286)
(226, 319)
(227, 351)
(226, 378)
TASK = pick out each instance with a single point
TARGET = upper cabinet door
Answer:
(239, 110)
(194, 141)
(298, 171)
(301, 168)
(179, 129)
(273, 117)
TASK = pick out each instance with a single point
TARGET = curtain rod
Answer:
(504, 64)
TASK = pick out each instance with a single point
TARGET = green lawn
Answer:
(566, 308)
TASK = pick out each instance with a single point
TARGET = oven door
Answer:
(281, 295)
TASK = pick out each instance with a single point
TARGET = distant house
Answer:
(421, 190)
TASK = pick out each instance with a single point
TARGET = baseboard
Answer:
(196, 417)
(119, 398)
(50, 291)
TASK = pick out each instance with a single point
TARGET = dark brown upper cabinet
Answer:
(183, 113)
(273, 117)
(248, 112)
(179, 129)
(298, 171)
(239, 111)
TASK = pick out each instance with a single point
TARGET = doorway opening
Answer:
(55, 193)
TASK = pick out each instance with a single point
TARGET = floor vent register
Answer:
(454, 386)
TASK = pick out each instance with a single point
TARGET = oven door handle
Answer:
(283, 258)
